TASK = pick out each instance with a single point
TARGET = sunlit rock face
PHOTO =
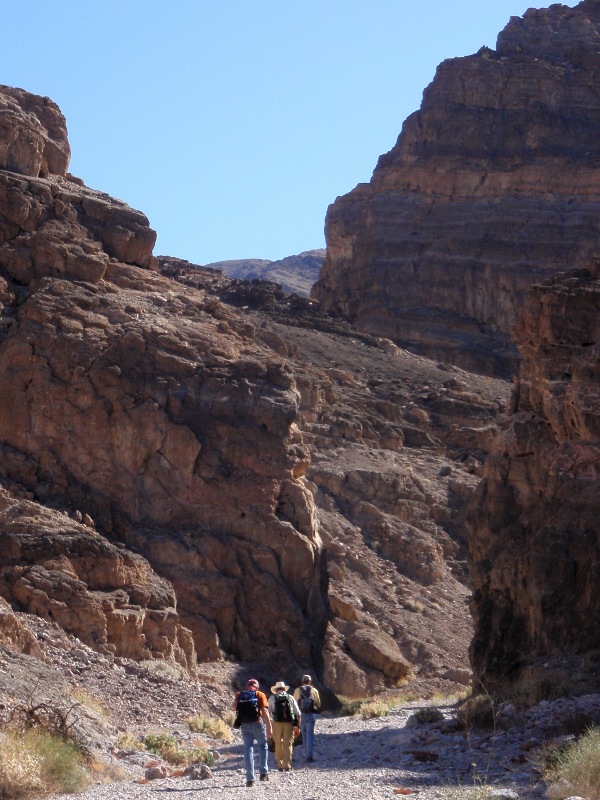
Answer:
(535, 545)
(493, 185)
(148, 406)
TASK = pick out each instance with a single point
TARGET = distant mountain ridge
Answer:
(296, 274)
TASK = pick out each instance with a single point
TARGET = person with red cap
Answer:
(254, 722)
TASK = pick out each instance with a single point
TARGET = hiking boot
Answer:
(264, 776)
(249, 783)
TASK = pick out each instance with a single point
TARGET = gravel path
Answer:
(357, 759)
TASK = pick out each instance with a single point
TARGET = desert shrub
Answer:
(161, 667)
(428, 714)
(477, 711)
(413, 605)
(214, 727)
(85, 699)
(373, 709)
(576, 769)
(166, 746)
(228, 717)
(128, 741)
(348, 707)
(36, 761)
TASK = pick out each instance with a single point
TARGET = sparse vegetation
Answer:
(575, 770)
(428, 714)
(348, 707)
(228, 717)
(214, 727)
(128, 741)
(81, 696)
(374, 709)
(34, 762)
(161, 667)
(167, 747)
(413, 605)
(477, 711)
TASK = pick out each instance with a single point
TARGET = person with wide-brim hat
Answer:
(285, 715)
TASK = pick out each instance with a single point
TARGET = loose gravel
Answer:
(357, 759)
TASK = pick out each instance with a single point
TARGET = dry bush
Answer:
(477, 711)
(349, 707)
(428, 714)
(128, 741)
(36, 761)
(228, 717)
(161, 667)
(214, 727)
(576, 769)
(374, 709)
(83, 698)
(166, 746)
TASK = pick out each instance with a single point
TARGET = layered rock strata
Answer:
(396, 444)
(181, 456)
(66, 572)
(492, 185)
(535, 547)
(151, 408)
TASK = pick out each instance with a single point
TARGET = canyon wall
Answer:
(198, 468)
(492, 185)
(150, 409)
(535, 544)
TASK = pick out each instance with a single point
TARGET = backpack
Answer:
(247, 708)
(306, 701)
(283, 710)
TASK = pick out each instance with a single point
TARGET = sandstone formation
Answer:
(293, 273)
(64, 571)
(197, 464)
(535, 546)
(396, 444)
(492, 185)
(154, 411)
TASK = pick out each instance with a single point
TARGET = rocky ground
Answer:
(354, 758)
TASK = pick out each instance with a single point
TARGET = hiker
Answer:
(286, 716)
(309, 703)
(253, 720)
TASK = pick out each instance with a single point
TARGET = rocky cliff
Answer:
(195, 467)
(151, 409)
(493, 184)
(535, 546)
(396, 444)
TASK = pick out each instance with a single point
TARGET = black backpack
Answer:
(306, 701)
(247, 708)
(283, 710)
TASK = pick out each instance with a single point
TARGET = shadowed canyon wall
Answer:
(493, 184)
(535, 543)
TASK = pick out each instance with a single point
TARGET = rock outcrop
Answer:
(199, 465)
(152, 409)
(64, 571)
(535, 547)
(396, 444)
(493, 185)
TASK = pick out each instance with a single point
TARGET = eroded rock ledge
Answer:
(494, 184)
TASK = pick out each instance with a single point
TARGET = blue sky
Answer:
(233, 124)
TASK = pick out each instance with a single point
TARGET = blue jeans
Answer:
(307, 727)
(251, 732)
